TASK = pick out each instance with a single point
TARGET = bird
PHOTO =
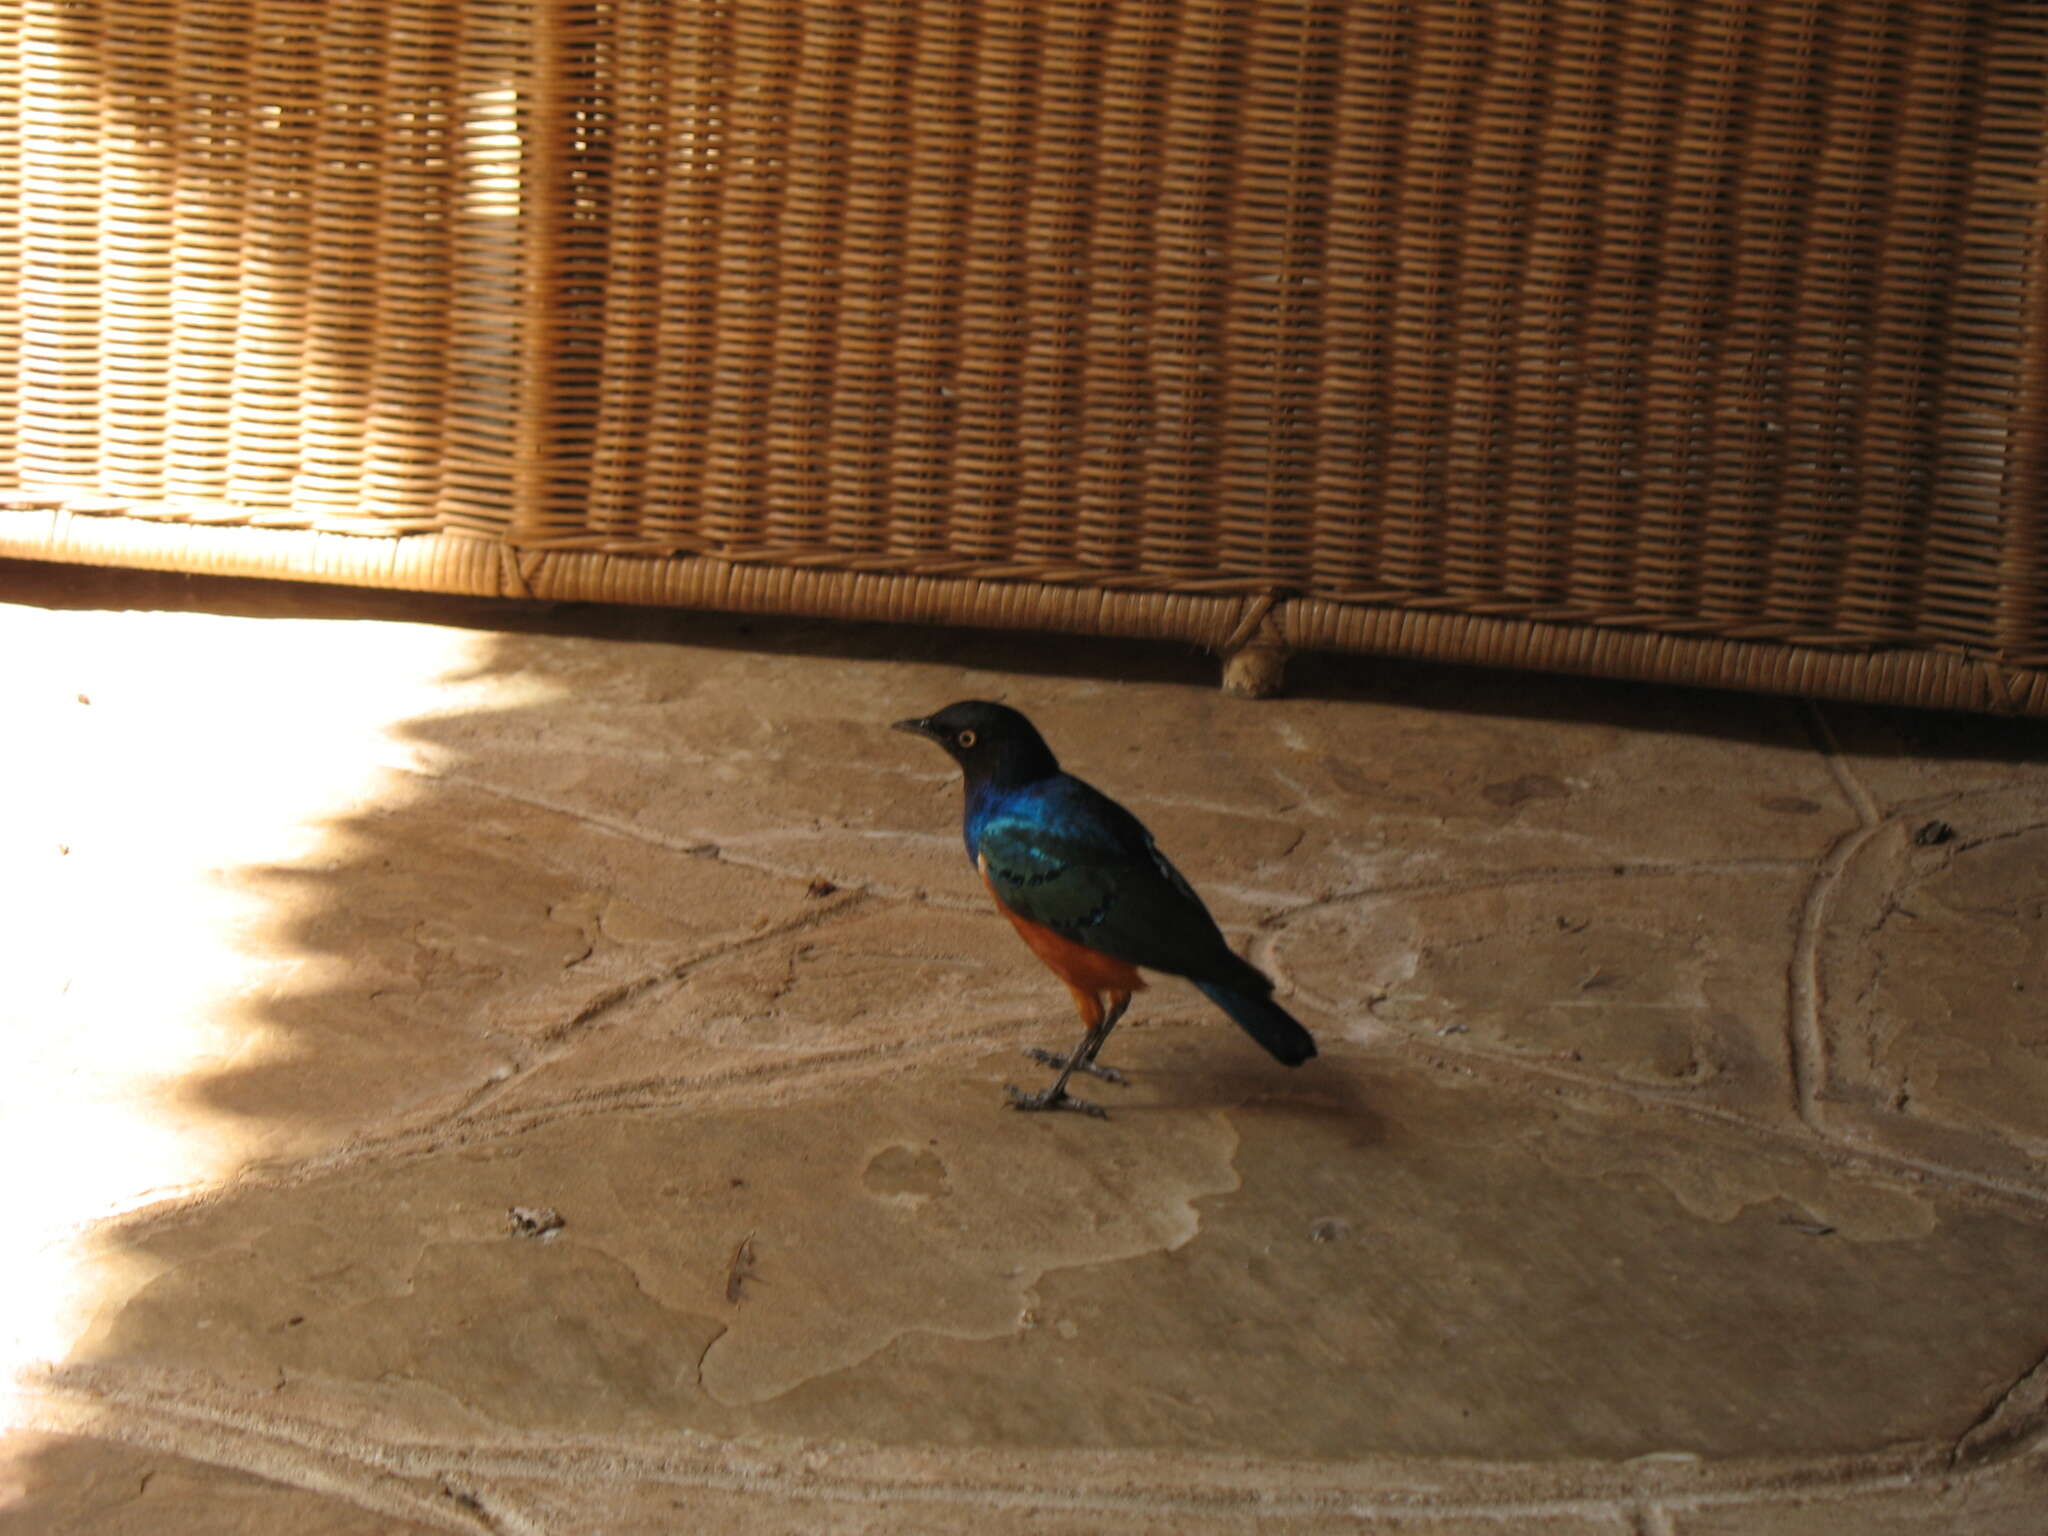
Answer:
(1089, 891)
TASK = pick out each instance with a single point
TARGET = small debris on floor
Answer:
(1790, 805)
(740, 1270)
(1330, 1229)
(462, 1497)
(820, 887)
(1809, 1226)
(537, 1221)
(1509, 793)
(1932, 834)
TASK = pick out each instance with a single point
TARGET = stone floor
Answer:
(510, 1069)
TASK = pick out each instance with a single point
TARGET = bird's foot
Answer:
(1055, 1059)
(1052, 1098)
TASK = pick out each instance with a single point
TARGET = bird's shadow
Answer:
(1177, 1076)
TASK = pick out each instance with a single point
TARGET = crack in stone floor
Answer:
(1673, 1166)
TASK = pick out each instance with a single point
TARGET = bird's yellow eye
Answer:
(966, 739)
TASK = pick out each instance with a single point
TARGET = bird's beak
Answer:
(918, 727)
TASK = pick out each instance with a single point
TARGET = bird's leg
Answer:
(1057, 1097)
(1068, 1063)
(1039, 1053)
(1083, 1059)
(1092, 1046)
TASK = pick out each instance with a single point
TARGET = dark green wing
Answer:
(1083, 866)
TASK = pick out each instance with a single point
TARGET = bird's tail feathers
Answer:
(1264, 1020)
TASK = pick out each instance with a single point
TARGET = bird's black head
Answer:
(992, 743)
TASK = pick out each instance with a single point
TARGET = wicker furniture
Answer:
(1694, 339)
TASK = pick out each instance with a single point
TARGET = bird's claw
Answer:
(1052, 1098)
(1055, 1059)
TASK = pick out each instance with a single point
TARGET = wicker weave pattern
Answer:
(268, 268)
(1724, 318)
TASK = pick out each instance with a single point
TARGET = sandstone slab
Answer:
(516, 1069)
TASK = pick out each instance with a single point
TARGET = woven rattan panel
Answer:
(271, 261)
(1717, 318)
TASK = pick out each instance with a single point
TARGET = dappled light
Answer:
(508, 1065)
(173, 777)
(471, 1077)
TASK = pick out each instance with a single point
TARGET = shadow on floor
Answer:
(1874, 730)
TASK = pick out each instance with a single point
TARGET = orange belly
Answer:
(1081, 968)
(1078, 966)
